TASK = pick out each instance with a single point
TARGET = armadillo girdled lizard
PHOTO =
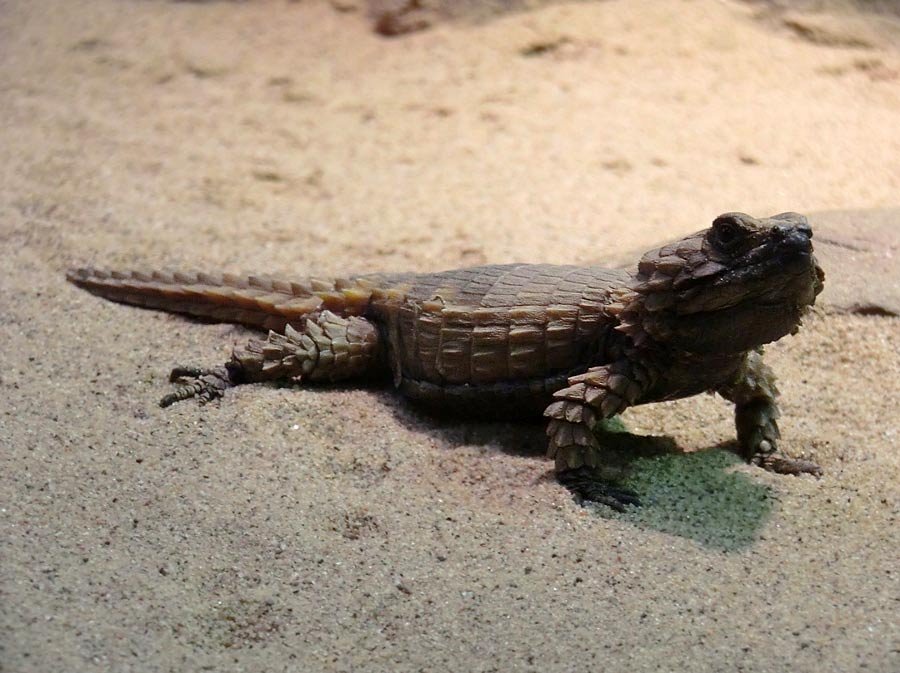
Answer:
(578, 344)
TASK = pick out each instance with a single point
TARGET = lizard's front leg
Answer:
(599, 393)
(755, 398)
(327, 347)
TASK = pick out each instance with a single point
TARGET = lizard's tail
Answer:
(256, 301)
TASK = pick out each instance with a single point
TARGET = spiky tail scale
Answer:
(255, 301)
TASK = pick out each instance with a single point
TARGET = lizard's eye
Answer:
(726, 233)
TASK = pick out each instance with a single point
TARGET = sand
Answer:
(337, 529)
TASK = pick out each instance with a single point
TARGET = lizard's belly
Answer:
(505, 400)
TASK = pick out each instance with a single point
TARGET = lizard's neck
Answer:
(628, 307)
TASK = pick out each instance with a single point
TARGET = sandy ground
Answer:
(337, 529)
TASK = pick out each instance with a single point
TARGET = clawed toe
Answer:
(585, 486)
(178, 373)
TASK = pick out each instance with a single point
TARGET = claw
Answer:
(584, 485)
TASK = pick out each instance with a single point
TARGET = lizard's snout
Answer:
(795, 238)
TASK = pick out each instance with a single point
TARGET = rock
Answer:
(859, 251)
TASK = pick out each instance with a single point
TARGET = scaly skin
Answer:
(580, 343)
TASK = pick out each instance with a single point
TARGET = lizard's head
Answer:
(741, 283)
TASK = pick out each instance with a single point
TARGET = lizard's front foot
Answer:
(756, 419)
(784, 465)
(585, 485)
(204, 384)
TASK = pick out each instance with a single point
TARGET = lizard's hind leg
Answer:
(325, 347)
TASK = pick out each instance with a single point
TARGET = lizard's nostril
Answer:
(794, 233)
(798, 238)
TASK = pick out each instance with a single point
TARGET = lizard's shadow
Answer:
(701, 495)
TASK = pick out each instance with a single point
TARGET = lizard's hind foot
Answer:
(584, 485)
(204, 384)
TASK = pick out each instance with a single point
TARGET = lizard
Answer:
(576, 344)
